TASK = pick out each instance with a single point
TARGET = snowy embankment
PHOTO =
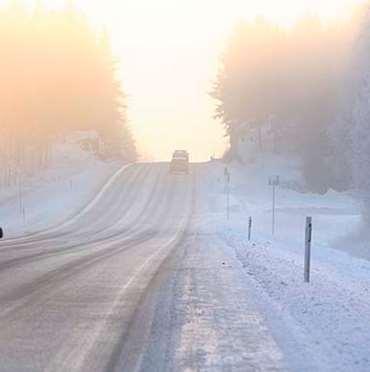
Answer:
(324, 325)
(55, 194)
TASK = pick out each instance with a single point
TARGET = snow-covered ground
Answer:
(240, 303)
(324, 325)
(55, 194)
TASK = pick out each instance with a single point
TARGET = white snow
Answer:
(321, 326)
(324, 325)
(55, 194)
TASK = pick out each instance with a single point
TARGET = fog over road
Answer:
(138, 281)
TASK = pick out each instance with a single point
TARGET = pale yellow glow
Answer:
(169, 51)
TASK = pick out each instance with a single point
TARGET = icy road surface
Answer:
(137, 281)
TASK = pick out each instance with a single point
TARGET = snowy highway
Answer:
(150, 275)
(130, 283)
(185, 186)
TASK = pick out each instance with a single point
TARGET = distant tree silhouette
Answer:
(285, 83)
(57, 76)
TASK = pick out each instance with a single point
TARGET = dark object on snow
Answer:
(180, 162)
(1, 233)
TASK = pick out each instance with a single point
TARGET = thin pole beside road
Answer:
(274, 182)
(273, 207)
(307, 255)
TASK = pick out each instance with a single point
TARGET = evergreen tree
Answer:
(287, 84)
(58, 76)
(360, 120)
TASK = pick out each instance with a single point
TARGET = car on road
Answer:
(180, 162)
(181, 154)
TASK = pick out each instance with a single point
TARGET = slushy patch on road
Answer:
(221, 326)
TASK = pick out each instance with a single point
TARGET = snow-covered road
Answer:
(152, 277)
(129, 284)
(67, 294)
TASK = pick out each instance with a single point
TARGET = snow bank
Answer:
(324, 325)
(56, 193)
(335, 215)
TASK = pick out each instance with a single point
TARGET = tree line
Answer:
(289, 85)
(58, 76)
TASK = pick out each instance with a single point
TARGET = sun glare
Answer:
(169, 57)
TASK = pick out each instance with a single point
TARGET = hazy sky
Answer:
(169, 52)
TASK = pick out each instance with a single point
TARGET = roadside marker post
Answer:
(307, 256)
(250, 229)
(274, 182)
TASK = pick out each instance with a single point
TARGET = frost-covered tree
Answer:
(288, 81)
(340, 149)
(57, 76)
(251, 77)
(360, 128)
(361, 142)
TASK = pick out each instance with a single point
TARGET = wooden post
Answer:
(307, 256)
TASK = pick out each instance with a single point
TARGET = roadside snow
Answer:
(55, 194)
(324, 325)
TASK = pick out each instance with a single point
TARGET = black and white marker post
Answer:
(307, 254)
(274, 182)
(249, 229)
